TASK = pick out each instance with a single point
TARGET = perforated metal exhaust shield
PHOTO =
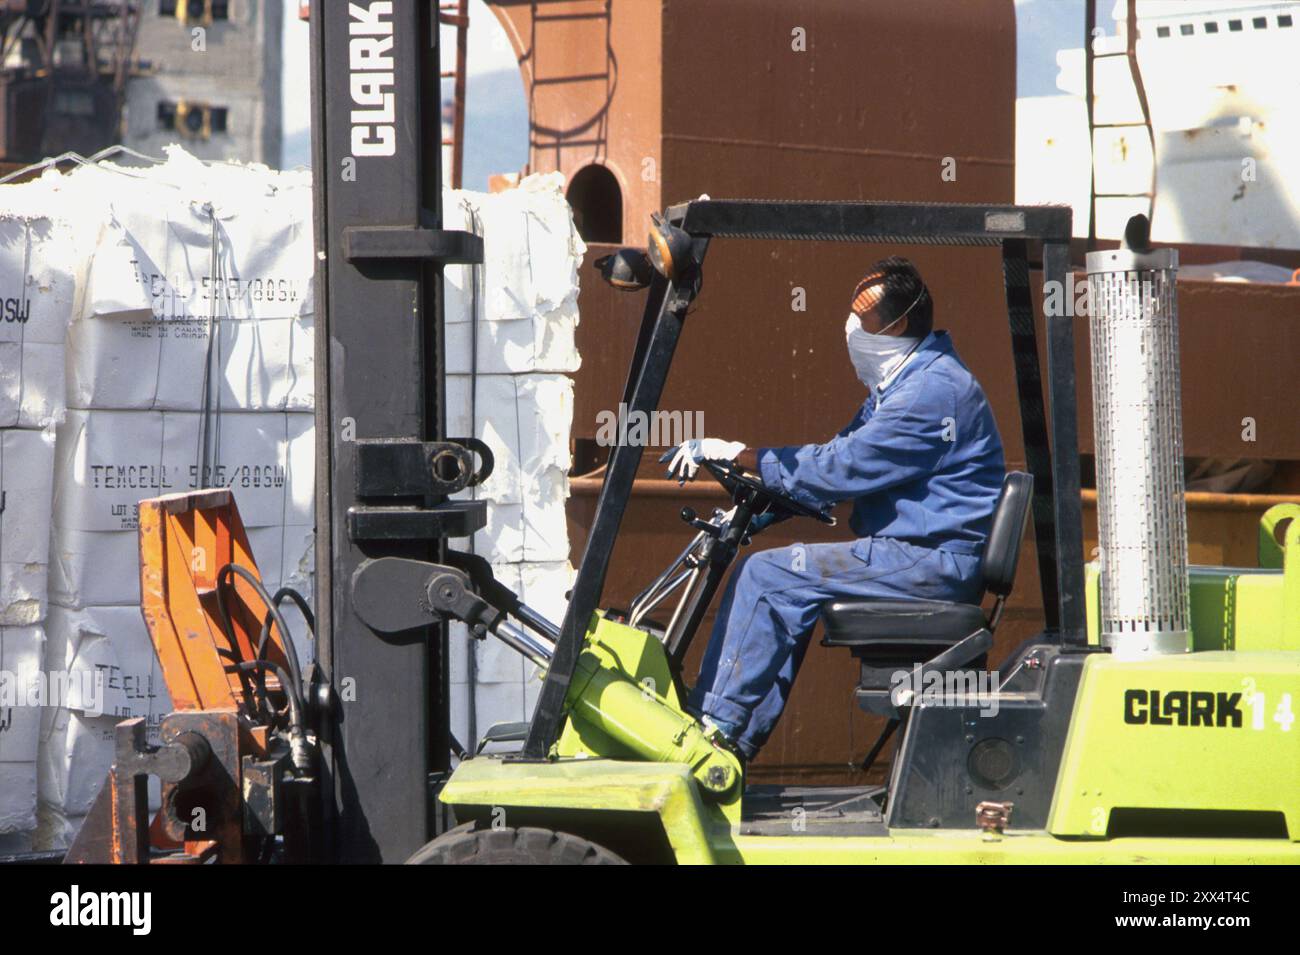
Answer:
(1141, 511)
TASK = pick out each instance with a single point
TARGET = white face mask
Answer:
(875, 357)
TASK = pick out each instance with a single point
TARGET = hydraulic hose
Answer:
(291, 680)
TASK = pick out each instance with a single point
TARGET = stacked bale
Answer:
(37, 299)
(510, 349)
(156, 336)
(188, 364)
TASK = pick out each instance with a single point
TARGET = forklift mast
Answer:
(380, 415)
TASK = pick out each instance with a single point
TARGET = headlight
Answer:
(669, 248)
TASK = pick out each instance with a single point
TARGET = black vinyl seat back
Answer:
(1002, 549)
(915, 621)
(888, 635)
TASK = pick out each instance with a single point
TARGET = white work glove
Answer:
(686, 460)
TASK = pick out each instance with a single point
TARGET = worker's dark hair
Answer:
(901, 285)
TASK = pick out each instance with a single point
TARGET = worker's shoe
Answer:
(728, 745)
(722, 741)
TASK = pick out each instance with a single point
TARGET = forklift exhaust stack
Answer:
(1137, 413)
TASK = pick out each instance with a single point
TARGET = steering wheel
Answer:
(736, 481)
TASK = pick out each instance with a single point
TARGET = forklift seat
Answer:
(932, 625)
(888, 635)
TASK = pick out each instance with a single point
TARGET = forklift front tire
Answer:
(506, 846)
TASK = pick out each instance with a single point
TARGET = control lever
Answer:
(692, 518)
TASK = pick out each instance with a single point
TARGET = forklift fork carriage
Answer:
(226, 779)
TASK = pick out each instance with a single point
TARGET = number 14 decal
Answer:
(1258, 702)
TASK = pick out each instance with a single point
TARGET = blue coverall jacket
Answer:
(922, 462)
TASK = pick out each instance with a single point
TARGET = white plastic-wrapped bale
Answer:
(194, 302)
(110, 662)
(107, 461)
(210, 284)
(525, 302)
(510, 340)
(21, 697)
(525, 420)
(26, 484)
(38, 291)
(109, 671)
(180, 296)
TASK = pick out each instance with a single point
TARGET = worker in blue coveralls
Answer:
(922, 463)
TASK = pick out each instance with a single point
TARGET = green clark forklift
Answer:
(1122, 733)
(1151, 720)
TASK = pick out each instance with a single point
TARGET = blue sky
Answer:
(1042, 28)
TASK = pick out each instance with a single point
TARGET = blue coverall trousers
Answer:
(771, 606)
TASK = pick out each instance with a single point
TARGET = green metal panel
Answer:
(1204, 731)
(949, 847)
(1277, 524)
(1233, 608)
(1282, 523)
(1238, 609)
